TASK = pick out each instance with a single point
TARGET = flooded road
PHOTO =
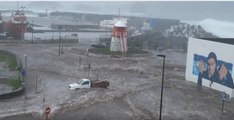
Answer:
(134, 91)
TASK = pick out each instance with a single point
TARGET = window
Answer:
(85, 83)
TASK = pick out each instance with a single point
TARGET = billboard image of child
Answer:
(212, 69)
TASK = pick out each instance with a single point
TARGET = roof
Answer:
(221, 40)
(84, 79)
(120, 23)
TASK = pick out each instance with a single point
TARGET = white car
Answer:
(83, 83)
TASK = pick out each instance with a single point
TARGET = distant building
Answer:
(111, 23)
(107, 23)
(1, 24)
(146, 26)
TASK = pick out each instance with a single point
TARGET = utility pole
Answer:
(79, 62)
(97, 75)
(32, 31)
(89, 69)
(36, 83)
(53, 24)
(24, 74)
(77, 38)
(22, 31)
(22, 24)
(59, 38)
(25, 58)
(62, 46)
(52, 28)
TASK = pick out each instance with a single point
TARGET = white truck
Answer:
(86, 83)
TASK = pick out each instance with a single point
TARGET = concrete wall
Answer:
(15, 93)
(10, 93)
(199, 49)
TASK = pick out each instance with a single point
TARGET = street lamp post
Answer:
(160, 114)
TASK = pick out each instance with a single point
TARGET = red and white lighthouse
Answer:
(119, 37)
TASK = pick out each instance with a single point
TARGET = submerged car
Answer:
(83, 83)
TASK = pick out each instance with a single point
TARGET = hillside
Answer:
(186, 30)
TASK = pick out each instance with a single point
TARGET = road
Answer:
(134, 91)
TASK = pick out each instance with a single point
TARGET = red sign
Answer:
(47, 110)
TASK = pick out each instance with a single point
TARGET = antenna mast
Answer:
(18, 5)
(119, 14)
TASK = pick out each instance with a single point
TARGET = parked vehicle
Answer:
(3, 35)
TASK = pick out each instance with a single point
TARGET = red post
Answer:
(47, 112)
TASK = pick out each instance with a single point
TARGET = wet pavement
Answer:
(134, 91)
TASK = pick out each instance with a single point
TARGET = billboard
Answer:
(210, 64)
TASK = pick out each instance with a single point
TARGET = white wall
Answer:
(223, 52)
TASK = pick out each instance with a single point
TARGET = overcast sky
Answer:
(185, 10)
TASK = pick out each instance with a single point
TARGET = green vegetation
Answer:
(15, 83)
(9, 59)
(136, 51)
(106, 51)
